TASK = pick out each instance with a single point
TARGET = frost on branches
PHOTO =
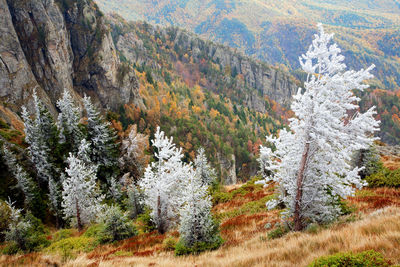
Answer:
(312, 162)
(203, 169)
(68, 121)
(80, 197)
(196, 223)
(40, 134)
(163, 180)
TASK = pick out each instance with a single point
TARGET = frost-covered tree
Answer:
(132, 156)
(41, 135)
(116, 225)
(203, 169)
(102, 138)
(115, 189)
(196, 222)
(55, 198)
(312, 161)
(163, 180)
(24, 181)
(81, 199)
(68, 121)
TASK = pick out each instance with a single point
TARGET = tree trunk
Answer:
(298, 224)
(160, 220)
(78, 216)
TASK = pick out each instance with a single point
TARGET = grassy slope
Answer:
(374, 225)
(278, 31)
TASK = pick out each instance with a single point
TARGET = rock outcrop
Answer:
(260, 79)
(52, 45)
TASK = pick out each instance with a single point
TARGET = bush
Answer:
(72, 246)
(384, 177)
(5, 220)
(116, 226)
(368, 258)
(169, 243)
(93, 230)
(197, 248)
(144, 222)
(27, 234)
(63, 234)
(278, 232)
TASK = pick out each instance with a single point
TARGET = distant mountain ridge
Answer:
(278, 32)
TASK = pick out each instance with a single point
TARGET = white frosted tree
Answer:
(196, 222)
(101, 136)
(203, 169)
(40, 134)
(312, 161)
(68, 121)
(81, 198)
(163, 180)
(24, 181)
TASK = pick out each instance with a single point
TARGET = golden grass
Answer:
(380, 230)
(377, 227)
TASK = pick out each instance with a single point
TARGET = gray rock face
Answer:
(51, 45)
(17, 81)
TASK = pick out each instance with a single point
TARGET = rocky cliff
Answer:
(49, 45)
(259, 78)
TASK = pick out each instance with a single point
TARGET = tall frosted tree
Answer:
(163, 180)
(41, 135)
(81, 199)
(203, 169)
(68, 121)
(312, 161)
(102, 138)
(196, 222)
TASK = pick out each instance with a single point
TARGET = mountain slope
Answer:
(203, 94)
(278, 32)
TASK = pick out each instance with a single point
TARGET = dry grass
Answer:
(379, 230)
(377, 227)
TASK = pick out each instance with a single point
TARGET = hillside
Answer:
(278, 32)
(204, 94)
(372, 222)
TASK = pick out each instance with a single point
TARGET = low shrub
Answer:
(384, 177)
(197, 248)
(144, 222)
(116, 226)
(278, 232)
(25, 234)
(93, 230)
(63, 234)
(5, 218)
(368, 258)
(72, 246)
(169, 243)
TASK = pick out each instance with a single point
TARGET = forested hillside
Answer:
(278, 31)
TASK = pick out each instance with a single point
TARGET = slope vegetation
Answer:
(278, 31)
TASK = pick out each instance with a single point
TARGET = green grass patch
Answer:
(368, 258)
(70, 247)
(63, 234)
(123, 253)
